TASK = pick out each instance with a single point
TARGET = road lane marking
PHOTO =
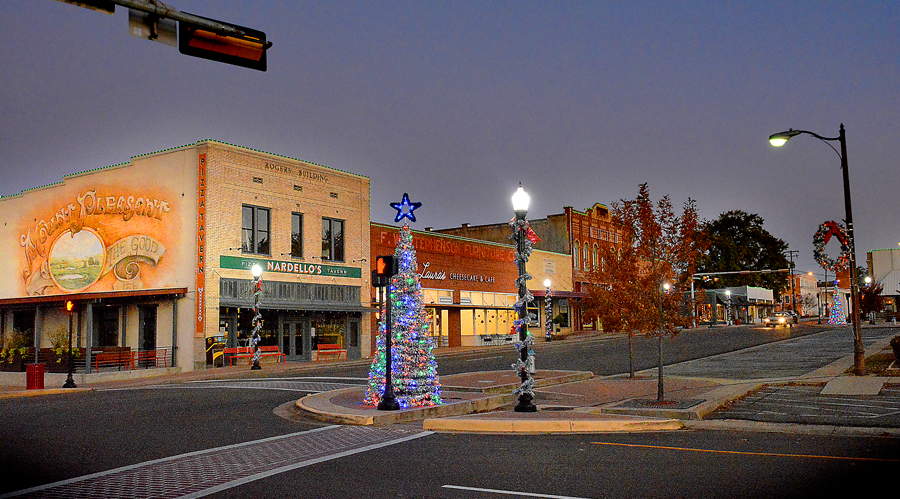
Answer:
(485, 358)
(741, 453)
(510, 492)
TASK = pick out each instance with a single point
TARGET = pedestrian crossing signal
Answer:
(385, 266)
(70, 305)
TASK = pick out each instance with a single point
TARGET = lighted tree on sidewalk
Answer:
(838, 315)
(413, 368)
(656, 248)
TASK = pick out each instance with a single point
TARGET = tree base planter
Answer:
(895, 346)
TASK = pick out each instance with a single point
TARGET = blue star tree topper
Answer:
(405, 209)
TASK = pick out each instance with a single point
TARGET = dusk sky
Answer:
(457, 102)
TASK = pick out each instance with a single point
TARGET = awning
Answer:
(82, 297)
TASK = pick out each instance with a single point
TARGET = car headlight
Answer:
(781, 320)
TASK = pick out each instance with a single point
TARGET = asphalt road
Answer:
(70, 436)
(225, 439)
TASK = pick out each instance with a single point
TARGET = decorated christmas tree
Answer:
(837, 312)
(413, 368)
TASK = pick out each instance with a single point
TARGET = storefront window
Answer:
(563, 307)
(327, 331)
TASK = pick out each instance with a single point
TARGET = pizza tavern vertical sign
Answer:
(199, 329)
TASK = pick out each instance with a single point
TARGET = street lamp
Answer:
(778, 140)
(525, 363)
(256, 270)
(548, 310)
(727, 307)
(70, 382)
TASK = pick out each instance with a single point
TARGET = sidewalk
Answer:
(579, 402)
(567, 401)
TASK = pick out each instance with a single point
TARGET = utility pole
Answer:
(791, 254)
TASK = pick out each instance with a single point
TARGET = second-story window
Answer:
(297, 235)
(255, 230)
(332, 240)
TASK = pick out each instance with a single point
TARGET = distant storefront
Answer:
(469, 285)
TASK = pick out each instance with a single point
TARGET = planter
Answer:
(895, 346)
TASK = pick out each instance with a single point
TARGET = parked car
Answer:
(779, 319)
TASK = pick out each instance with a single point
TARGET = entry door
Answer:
(292, 340)
(228, 329)
(352, 339)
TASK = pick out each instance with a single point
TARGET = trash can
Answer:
(34, 376)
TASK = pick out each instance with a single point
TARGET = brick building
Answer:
(468, 285)
(578, 234)
(156, 253)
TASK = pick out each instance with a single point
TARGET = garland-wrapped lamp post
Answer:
(548, 309)
(525, 363)
(778, 140)
(256, 270)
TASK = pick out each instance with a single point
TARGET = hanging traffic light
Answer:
(246, 49)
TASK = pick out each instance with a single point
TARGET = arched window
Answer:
(587, 256)
(575, 258)
(597, 259)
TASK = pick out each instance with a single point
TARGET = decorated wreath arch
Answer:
(821, 238)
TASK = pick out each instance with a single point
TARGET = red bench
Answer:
(234, 353)
(272, 351)
(148, 358)
(120, 360)
(330, 351)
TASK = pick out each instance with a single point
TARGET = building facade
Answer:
(806, 295)
(156, 252)
(884, 267)
(469, 288)
(578, 234)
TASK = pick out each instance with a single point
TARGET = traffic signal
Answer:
(247, 51)
(385, 266)
(70, 305)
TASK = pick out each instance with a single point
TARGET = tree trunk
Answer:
(630, 355)
(659, 376)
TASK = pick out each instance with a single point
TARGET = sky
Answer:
(456, 103)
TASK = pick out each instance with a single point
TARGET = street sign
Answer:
(106, 6)
(152, 27)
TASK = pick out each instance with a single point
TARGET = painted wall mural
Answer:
(94, 236)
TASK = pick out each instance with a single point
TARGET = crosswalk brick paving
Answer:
(201, 473)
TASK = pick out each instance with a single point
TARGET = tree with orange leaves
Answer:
(639, 286)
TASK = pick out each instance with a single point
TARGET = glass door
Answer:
(291, 340)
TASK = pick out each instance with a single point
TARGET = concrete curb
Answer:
(549, 426)
(45, 391)
(713, 400)
(321, 407)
